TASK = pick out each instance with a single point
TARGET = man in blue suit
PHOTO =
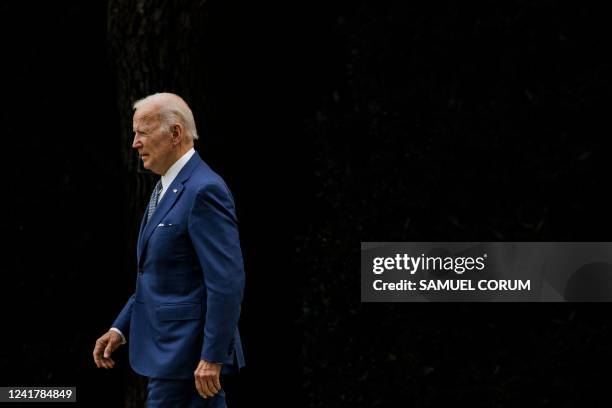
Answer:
(182, 321)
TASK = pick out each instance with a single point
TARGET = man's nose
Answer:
(136, 143)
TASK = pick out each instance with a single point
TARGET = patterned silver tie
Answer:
(154, 199)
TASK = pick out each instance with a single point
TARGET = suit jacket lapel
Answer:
(166, 203)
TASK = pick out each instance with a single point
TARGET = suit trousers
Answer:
(162, 393)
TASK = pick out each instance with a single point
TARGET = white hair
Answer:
(172, 109)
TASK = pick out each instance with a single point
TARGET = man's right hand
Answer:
(105, 345)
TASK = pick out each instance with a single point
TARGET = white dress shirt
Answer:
(166, 180)
(173, 171)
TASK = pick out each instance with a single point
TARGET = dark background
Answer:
(332, 124)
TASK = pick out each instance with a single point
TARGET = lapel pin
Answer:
(174, 190)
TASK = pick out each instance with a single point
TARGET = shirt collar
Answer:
(174, 170)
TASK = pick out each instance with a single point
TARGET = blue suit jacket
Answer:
(190, 280)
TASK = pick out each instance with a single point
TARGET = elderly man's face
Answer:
(152, 140)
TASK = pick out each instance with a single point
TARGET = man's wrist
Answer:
(116, 330)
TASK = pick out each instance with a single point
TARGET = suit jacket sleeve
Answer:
(213, 228)
(122, 322)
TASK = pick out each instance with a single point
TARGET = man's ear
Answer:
(176, 131)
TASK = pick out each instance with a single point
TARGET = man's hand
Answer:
(105, 345)
(207, 378)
